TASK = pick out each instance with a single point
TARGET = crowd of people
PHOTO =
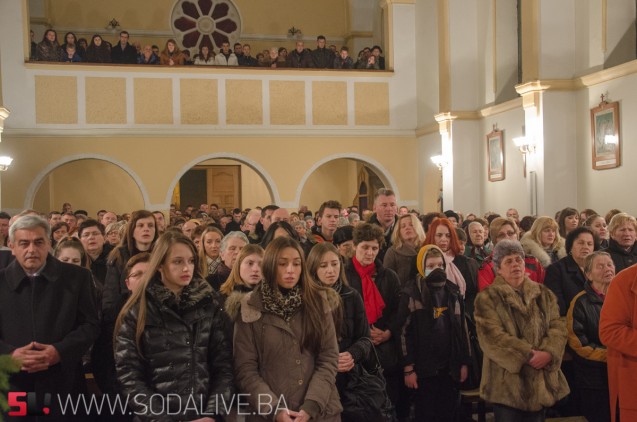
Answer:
(320, 312)
(99, 50)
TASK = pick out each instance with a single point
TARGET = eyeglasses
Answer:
(509, 233)
(86, 235)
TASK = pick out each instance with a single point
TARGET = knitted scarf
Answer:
(283, 305)
(374, 303)
(453, 273)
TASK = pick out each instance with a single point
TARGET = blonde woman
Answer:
(210, 250)
(406, 241)
(622, 245)
(170, 338)
(544, 242)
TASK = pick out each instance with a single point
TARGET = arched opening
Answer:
(90, 184)
(230, 183)
(349, 181)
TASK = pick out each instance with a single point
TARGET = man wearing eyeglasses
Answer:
(92, 235)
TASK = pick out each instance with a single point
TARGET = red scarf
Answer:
(373, 301)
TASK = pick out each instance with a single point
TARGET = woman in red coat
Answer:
(618, 332)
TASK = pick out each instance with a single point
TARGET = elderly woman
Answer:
(544, 242)
(231, 246)
(406, 241)
(618, 332)
(621, 247)
(477, 247)
(523, 338)
(590, 375)
(566, 277)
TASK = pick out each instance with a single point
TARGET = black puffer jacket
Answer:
(622, 258)
(388, 285)
(355, 325)
(582, 322)
(185, 351)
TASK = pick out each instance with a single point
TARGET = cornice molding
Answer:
(427, 130)
(502, 107)
(619, 71)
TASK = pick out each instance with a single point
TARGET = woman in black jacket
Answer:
(98, 51)
(141, 234)
(582, 319)
(380, 289)
(566, 277)
(170, 339)
(325, 268)
(435, 346)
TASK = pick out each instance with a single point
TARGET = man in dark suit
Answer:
(48, 318)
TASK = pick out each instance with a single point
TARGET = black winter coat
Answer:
(115, 289)
(388, 285)
(583, 338)
(57, 307)
(417, 335)
(622, 258)
(185, 351)
(355, 325)
(566, 280)
(323, 58)
(126, 56)
(300, 60)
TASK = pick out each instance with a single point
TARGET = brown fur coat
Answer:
(508, 329)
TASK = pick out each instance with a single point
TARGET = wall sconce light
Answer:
(113, 25)
(526, 146)
(5, 162)
(295, 33)
(439, 161)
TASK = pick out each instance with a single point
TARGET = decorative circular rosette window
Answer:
(205, 22)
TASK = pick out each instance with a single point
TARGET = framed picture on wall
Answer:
(605, 135)
(495, 155)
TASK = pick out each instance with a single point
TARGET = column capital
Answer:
(531, 93)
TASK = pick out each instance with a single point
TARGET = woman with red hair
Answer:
(461, 270)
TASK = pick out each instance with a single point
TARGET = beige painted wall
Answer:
(160, 162)
(328, 17)
(334, 180)
(90, 185)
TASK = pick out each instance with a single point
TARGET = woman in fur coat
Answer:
(544, 242)
(523, 339)
(245, 276)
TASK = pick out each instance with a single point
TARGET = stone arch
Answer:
(378, 168)
(269, 182)
(42, 175)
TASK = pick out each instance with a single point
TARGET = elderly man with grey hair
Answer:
(48, 318)
(231, 246)
(522, 337)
